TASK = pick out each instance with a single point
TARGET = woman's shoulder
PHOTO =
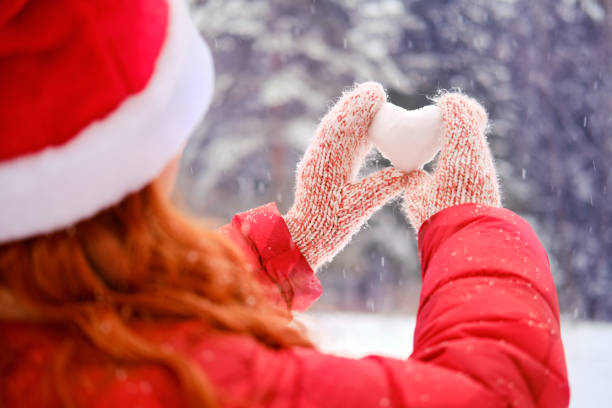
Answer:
(35, 361)
(34, 357)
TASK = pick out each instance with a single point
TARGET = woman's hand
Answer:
(330, 204)
(465, 172)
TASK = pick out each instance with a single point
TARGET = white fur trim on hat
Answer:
(119, 154)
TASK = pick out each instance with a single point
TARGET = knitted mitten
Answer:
(464, 172)
(330, 204)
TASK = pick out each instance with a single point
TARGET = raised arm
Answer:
(487, 330)
(488, 307)
(330, 205)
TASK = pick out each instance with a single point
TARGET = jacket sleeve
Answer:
(488, 307)
(277, 262)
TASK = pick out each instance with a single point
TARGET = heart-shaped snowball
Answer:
(409, 139)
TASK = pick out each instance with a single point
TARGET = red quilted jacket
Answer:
(487, 332)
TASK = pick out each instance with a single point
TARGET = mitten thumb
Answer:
(418, 197)
(365, 196)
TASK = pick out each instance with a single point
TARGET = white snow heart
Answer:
(409, 139)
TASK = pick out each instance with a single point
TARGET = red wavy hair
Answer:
(140, 259)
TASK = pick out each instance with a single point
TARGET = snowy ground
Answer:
(588, 347)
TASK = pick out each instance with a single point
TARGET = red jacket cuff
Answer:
(506, 243)
(278, 263)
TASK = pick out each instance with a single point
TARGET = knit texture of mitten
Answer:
(330, 204)
(464, 173)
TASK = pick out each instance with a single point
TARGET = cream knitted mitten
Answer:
(330, 204)
(464, 173)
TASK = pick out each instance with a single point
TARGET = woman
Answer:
(110, 297)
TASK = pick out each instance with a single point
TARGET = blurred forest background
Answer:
(541, 68)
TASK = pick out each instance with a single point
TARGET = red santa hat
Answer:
(97, 96)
